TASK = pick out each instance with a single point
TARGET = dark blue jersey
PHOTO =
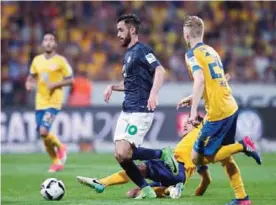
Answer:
(138, 72)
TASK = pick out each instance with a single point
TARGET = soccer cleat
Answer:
(92, 183)
(62, 154)
(175, 191)
(56, 168)
(146, 193)
(168, 157)
(250, 149)
(240, 202)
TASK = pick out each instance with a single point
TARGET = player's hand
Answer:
(193, 119)
(184, 102)
(152, 102)
(30, 85)
(107, 93)
(134, 192)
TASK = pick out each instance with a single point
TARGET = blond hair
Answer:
(196, 26)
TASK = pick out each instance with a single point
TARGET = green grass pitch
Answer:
(22, 176)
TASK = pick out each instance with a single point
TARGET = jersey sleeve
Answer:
(33, 69)
(149, 58)
(66, 68)
(193, 61)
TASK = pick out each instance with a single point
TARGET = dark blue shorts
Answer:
(157, 171)
(213, 135)
(45, 118)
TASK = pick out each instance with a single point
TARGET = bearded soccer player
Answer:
(162, 175)
(206, 69)
(49, 73)
(143, 76)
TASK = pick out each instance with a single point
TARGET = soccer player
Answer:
(49, 73)
(162, 175)
(143, 76)
(219, 129)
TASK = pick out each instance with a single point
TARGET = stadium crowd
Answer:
(244, 34)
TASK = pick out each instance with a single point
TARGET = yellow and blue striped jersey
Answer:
(219, 101)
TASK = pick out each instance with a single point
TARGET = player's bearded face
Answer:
(123, 34)
(49, 43)
(126, 40)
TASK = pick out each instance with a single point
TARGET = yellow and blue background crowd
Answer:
(243, 33)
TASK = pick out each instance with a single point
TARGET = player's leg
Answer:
(61, 148)
(43, 132)
(215, 134)
(130, 131)
(114, 179)
(139, 124)
(246, 145)
(233, 172)
(158, 171)
(165, 154)
(46, 120)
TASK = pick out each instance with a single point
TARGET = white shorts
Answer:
(133, 127)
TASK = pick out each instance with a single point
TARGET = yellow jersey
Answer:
(183, 151)
(51, 70)
(219, 101)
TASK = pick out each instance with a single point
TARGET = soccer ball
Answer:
(52, 189)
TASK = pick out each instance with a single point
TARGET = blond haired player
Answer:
(49, 73)
(162, 175)
(206, 69)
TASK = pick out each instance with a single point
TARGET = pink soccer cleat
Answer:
(250, 149)
(56, 168)
(62, 154)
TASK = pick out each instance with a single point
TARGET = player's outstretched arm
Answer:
(204, 181)
(30, 82)
(157, 84)
(198, 89)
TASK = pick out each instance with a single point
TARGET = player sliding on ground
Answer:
(162, 176)
(206, 69)
(143, 76)
(49, 73)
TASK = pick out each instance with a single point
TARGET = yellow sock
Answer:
(233, 172)
(49, 147)
(116, 178)
(223, 153)
(55, 141)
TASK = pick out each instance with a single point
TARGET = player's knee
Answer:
(43, 132)
(125, 156)
(123, 151)
(121, 156)
(143, 169)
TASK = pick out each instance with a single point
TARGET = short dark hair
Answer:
(130, 19)
(51, 33)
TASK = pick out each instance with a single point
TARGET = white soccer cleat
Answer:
(175, 191)
(92, 183)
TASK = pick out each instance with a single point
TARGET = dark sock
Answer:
(141, 153)
(134, 173)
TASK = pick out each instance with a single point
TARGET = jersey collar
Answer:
(133, 46)
(197, 45)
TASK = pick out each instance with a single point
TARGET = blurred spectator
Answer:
(81, 91)
(239, 31)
